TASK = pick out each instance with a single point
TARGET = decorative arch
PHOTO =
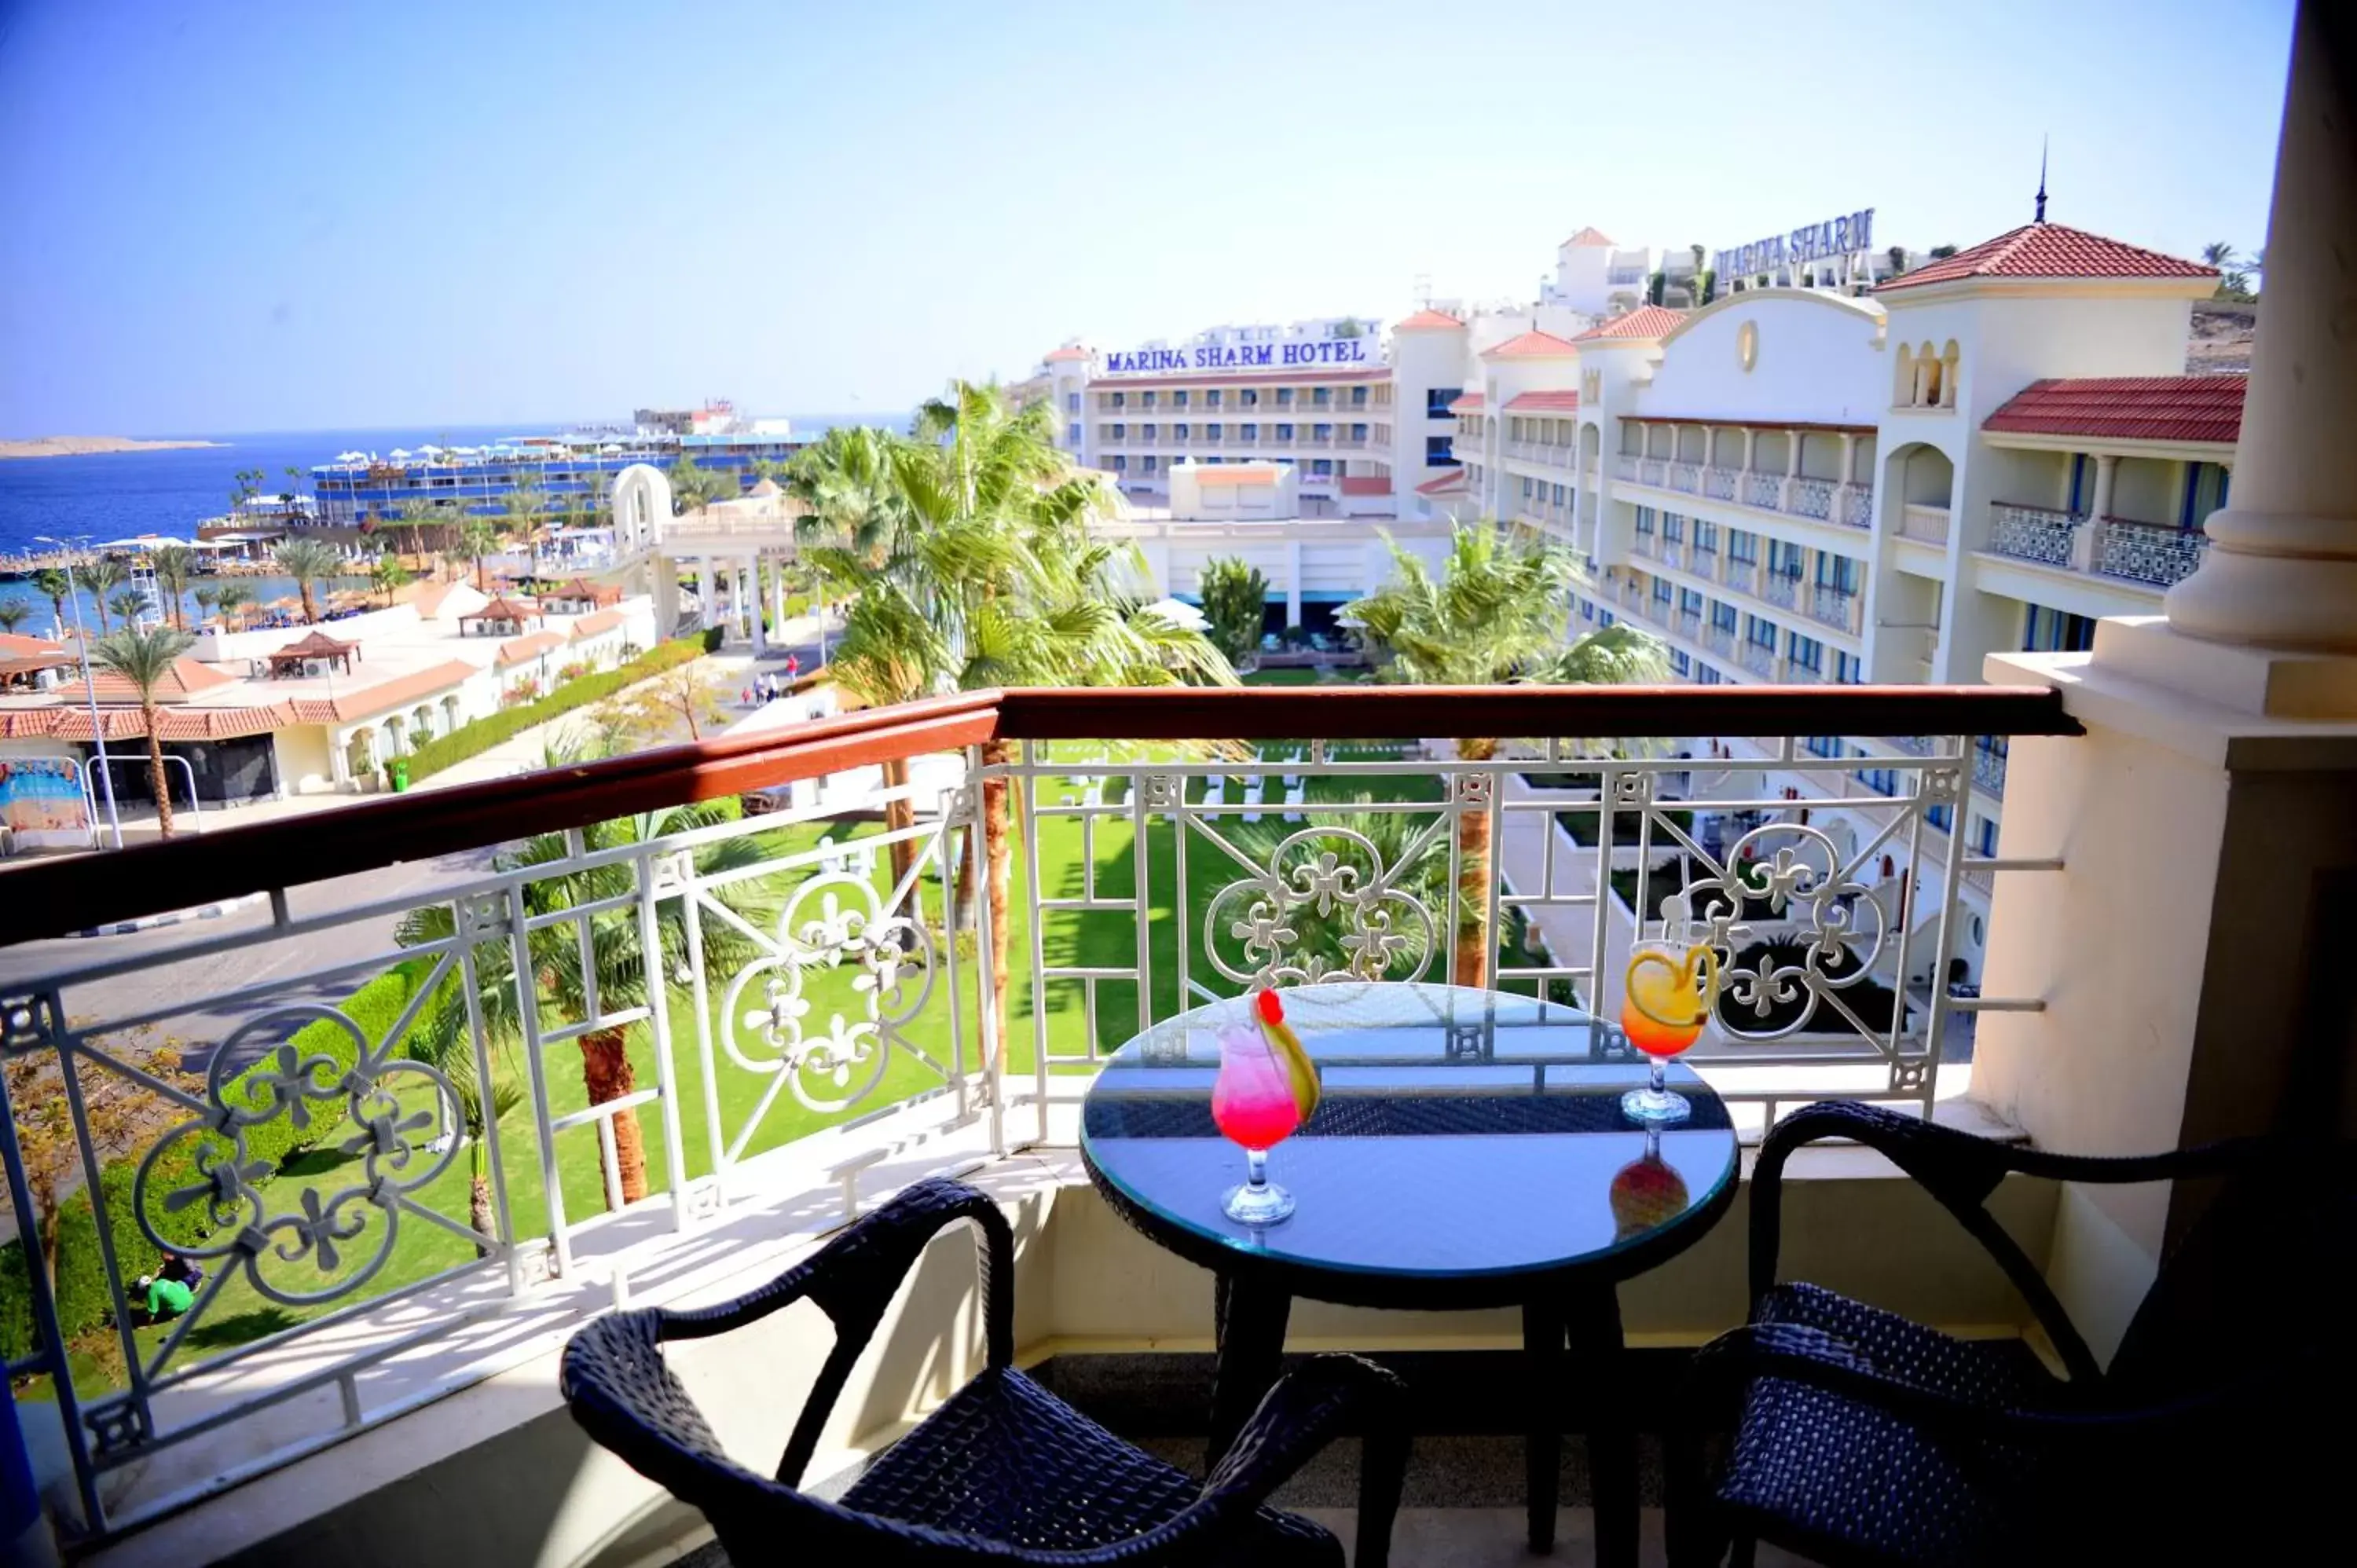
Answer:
(1902, 394)
(1951, 356)
(1927, 375)
(642, 506)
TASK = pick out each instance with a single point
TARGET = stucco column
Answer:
(750, 575)
(1849, 457)
(707, 600)
(666, 595)
(1750, 448)
(1293, 583)
(2282, 569)
(2106, 469)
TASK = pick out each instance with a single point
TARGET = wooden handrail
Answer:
(52, 898)
(1334, 712)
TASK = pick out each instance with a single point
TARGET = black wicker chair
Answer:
(1858, 1437)
(1004, 1472)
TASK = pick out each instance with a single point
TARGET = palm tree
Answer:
(585, 506)
(174, 564)
(306, 561)
(56, 587)
(145, 656)
(618, 963)
(994, 580)
(14, 612)
(387, 574)
(524, 502)
(1496, 614)
(2220, 254)
(232, 598)
(207, 596)
(101, 577)
(417, 514)
(126, 602)
(477, 537)
(449, 1053)
(853, 520)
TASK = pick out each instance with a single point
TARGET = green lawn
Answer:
(1068, 939)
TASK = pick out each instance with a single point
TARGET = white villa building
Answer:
(1834, 472)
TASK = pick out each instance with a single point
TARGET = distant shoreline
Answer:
(88, 446)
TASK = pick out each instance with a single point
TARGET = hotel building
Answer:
(1875, 477)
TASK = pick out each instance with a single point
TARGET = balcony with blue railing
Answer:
(2033, 533)
(2148, 552)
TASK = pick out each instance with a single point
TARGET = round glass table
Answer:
(1468, 1150)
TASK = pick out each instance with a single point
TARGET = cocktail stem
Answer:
(1661, 1078)
(1256, 1167)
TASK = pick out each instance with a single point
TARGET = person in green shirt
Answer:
(166, 1299)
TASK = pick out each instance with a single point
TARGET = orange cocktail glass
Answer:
(1665, 998)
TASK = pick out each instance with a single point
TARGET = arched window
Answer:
(1927, 378)
(1904, 397)
(1948, 356)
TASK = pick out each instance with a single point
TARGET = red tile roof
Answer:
(531, 645)
(2127, 408)
(72, 723)
(1366, 485)
(386, 694)
(186, 678)
(16, 646)
(1645, 321)
(1531, 346)
(1470, 403)
(2051, 250)
(1588, 236)
(1068, 351)
(602, 592)
(317, 644)
(1544, 403)
(428, 599)
(66, 716)
(1428, 321)
(1236, 474)
(591, 625)
(503, 608)
(1453, 479)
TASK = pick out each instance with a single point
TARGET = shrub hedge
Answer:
(84, 1302)
(478, 735)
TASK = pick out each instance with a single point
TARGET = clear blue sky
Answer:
(226, 217)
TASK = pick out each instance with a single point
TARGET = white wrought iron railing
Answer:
(2147, 553)
(632, 1003)
(1764, 490)
(2033, 533)
(1812, 498)
(1719, 484)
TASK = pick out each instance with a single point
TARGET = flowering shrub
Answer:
(575, 671)
(525, 691)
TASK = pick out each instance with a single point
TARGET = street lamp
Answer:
(88, 686)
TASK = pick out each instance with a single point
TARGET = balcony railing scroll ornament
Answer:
(401, 1145)
(1382, 930)
(831, 920)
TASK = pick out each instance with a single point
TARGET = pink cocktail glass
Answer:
(1253, 1102)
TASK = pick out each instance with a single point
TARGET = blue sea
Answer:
(117, 495)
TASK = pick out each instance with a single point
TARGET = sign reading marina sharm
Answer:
(1338, 352)
(1837, 239)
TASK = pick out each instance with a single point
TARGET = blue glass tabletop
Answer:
(1460, 1133)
